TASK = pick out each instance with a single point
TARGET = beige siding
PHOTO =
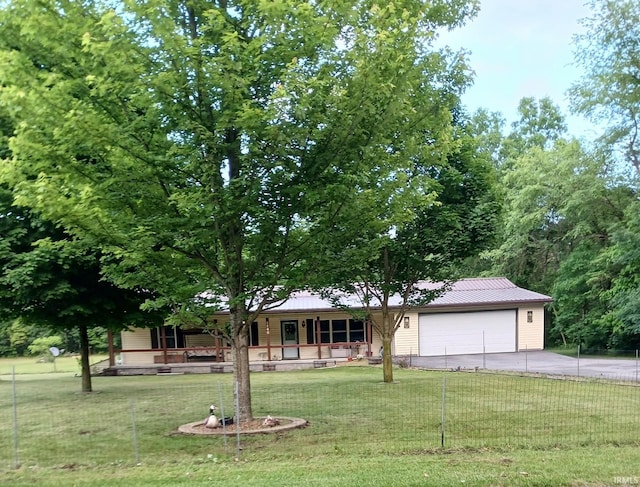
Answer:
(138, 338)
(531, 335)
(376, 339)
(406, 339)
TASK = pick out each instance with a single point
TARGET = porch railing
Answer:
(222, 354)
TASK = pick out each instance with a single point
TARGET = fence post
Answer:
(16, 455)
(442, 418)
(236, 394)
(484, 357)
(224, 423)
(134, 430)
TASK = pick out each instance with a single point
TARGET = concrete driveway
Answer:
(540, 362)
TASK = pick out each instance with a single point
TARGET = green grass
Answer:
(572, 351)
(32, 365)
(499, 430)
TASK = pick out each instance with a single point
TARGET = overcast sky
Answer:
(522, 48)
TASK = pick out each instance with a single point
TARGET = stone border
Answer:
(292, 423)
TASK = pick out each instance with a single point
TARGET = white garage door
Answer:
(462, 333)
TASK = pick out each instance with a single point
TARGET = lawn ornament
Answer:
(270, 421)
(212, 420)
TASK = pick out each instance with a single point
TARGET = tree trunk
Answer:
(387, 336)
(84, 359)
(387, 362)
(240, 343)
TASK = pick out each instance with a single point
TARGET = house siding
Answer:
(405, 341)
(531, 335)
(138, 338)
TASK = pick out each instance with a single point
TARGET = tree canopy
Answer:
(204, 143)
(609, 91)
(55, 281)
(415, 222)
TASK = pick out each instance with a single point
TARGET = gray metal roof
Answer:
(494, 290)
(465, 292)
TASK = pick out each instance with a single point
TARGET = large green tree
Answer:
(566, 232)
(411, 223)
(202, 143)
(49, 279)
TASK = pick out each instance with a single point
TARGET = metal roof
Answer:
(464, 292)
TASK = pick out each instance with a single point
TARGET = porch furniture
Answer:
(201, 355)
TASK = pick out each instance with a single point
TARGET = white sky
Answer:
(522, 48)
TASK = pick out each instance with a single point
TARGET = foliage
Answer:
(53, 281)
(15, 337)
(609, 92)
(567, 231)
(41, 346)
(412, 224)
(541, 124)
(203, 144)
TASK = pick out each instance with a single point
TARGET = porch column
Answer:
(318, 337)
(369, 336)
(268, 341)
(216, 340)
(112, 355)
(163, 341)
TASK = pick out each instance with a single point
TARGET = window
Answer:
(529, 316)
(325, 331)
(174, 337)
(357, 331)
(337, 331)
(254, 340)
(311, 330)
(339, 328)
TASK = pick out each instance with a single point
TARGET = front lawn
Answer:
(498, 430)
(42, 365)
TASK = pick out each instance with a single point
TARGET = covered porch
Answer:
(273, 342)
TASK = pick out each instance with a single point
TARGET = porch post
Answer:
(163, 339)
(318, 337)
(216, 340)
(112, 355)
(369, 336)
(268, 341)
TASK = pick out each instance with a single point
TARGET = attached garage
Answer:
(467, 332)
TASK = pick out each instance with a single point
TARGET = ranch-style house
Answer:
(483, 315)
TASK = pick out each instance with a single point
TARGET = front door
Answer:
(290, 337)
